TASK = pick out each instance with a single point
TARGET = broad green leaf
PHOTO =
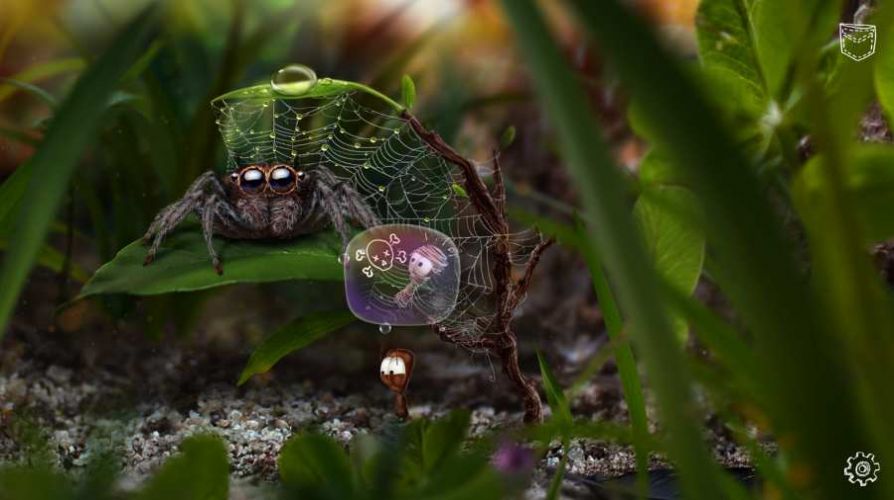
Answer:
(725, 42)
(316, 465)
(291, 337)
(34, 483)
(870, 184)
(200, 471)
(408, 91)
(443, 438)
(68, 135)
(784, 30)
(183, 264)
(671, 224)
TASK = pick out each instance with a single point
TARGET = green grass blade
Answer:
(69, 134)
(291, 337)
(755, 267)
(42, 71)
(602, 190)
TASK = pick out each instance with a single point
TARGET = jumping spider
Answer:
(262, 201)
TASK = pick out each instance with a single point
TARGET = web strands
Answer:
(398, 175)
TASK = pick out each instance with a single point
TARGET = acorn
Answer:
(395, 371)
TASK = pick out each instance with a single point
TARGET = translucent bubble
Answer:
(293, 80)
(356, 145)
(385, 329)
(381, 189)
(324, 147)
(372, 140)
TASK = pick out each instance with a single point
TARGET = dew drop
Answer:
(366, 166)
(272, 135)
(372, 140)
(299, 116)
(324, 147)
(356, 145)
(427, 219)
(381, 189)
(293, 80)
(385, 329)
(326, 81)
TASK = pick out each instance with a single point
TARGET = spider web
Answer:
(365, 143)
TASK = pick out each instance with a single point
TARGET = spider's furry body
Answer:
(263, 202)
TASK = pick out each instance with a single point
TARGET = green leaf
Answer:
(508, 137)
(68, 135)
(443, 438)
(291, 337)
(200, 471)
(669, 218)
(407, 91)
(34, 483)
(555, 396)
(783, 30)
(870, 184)
(726, 44)
(183, 264)
(316, 465)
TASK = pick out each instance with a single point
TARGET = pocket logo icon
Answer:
(862, 468)
(857, 41)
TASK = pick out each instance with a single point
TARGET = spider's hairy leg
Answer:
(172, 215)
(358, 209)
(334, 212)
(209, 212)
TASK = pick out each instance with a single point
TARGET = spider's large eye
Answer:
(282, 179)
(252, 181)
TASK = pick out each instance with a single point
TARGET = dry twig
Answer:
(509, 293)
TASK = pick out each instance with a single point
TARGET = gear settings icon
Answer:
(862, 468)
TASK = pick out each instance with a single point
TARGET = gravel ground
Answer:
(147, 404)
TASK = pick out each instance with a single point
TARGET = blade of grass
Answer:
(755, 265)
(68, 135)
(42, 71)
(623, 254)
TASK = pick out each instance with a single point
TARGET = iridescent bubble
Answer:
(385, 329)
(293, 80)
(402, 274)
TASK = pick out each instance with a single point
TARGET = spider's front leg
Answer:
(172, 215)
(341, 201)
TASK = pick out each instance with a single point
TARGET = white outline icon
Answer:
(862, 468)
(856, 34)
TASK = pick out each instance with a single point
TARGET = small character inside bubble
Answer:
(425, 262)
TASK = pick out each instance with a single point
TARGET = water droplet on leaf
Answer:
(385, 329)
(293, 80)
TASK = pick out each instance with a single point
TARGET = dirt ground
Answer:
(89, 390)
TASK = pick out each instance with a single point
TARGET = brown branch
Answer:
(521, 287)
(491, 207)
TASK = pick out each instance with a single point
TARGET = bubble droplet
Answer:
(427, 219)
(366, 166)
(272, 135)
(381, 189)
(324, 147)
(372, 140)
(356, 145)
(293, 80)
(299, 116)
(385, 329)
(326, 81)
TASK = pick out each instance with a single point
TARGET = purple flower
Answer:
(512, 458)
